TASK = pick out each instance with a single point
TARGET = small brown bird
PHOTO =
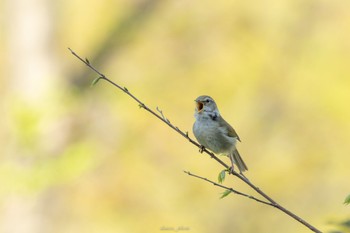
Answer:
(214, 133)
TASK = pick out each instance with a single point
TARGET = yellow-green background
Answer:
(81, 159)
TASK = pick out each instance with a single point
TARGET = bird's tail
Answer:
(237, 159)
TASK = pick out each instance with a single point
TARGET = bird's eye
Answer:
(208, 101)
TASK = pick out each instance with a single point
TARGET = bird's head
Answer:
(205, 103)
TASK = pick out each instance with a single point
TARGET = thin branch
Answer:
(161, 117)
(229, 189)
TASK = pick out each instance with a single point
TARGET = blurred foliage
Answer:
(81, 159)
(347, 200)
(342, 226)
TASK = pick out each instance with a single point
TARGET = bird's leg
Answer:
(201, 149)
(232, 164)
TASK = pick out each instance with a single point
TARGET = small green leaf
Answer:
(224, 194)
(95, 81)
(221, 176)
(347, 200)
(87, 61)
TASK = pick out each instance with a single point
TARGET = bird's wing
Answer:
(231, 131)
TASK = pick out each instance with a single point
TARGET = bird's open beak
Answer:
(199, 106)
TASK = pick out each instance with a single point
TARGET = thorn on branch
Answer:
(125, 89)
(141, 105)
(161, 113)
(87, 61)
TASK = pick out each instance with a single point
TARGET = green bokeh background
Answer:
(80, 159)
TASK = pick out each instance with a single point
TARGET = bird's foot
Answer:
(231, 170)
(201, 149)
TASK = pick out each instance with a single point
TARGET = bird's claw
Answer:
(231, 170)
(201, 149)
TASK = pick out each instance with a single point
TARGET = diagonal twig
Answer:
(229, 189)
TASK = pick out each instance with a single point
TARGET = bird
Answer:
(214, 133)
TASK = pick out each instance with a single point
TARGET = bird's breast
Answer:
(212, 136)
